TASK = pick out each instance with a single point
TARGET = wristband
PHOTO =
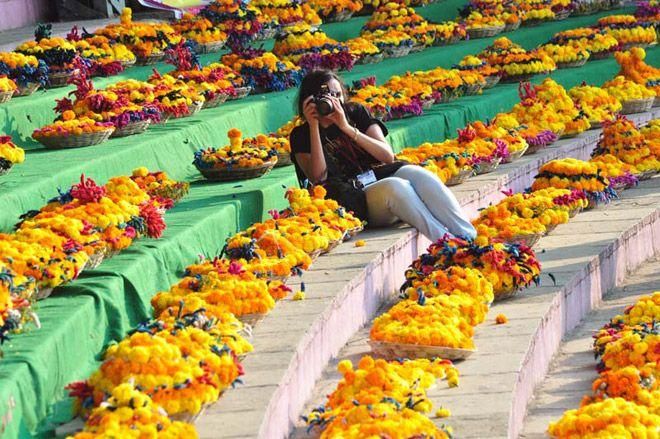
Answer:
(356, 134)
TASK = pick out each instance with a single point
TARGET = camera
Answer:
(323, 103)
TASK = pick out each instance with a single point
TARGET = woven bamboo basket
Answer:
(5, 96)
(604, 54)
(656, 101)
(76, 141)
(395, 51)
(515, 155)
(233, 174)
(573, 212)
(215, 101)
(595, 125)
(128, 63)
(487, 167)
(60, 79)
(517, 78)
(562, 15)
(534, 22)
(251, 319)
(417, 48)
(629, 46)
(27, 89)
(492, 81)
(460, 178)
(506, 293)
(95, 259)
(189, 417)
(210, 47)
(283, 159)
(241, 92)
(572, 64)
(316, 253)
(354, 231)
(404, 350)
(529, 239)
(549, 228)
(646, 175)
(428, 104)
(438, 42)
(370, 59)
(149, 59)
(137, 127)
(533, 149)
(637, 105)
(510, 27)
(485, 32)
(42, 293)
(380, 114)
(333, 245)
(193, 109)
(337, 17)
(266, 33)
(618, 187)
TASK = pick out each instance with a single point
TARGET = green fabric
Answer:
(79, 319)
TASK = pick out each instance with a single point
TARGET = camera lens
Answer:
(324, 106)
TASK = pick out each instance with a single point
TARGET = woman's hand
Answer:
(338, 117)
(309, 111)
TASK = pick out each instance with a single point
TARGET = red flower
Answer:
(153, 217)
(87, 190)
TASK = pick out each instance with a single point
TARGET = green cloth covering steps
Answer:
(79, 319)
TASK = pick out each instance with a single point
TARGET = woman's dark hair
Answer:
(311, 85)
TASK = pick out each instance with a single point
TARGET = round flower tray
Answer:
(562, 15)
(549, 229)
(5, 96)
(442, 42)
(128, 62)
(487, 167)
(427, 104)
(529, 239)
(506, 294)
(515, 155)
(395, 51)
(241, 92)
(518, 78)
(60, 79)
(251, 319)
(473, 89)
(637, 105)
(27, 89)
(283, 159)
(492, 81)
(403, 350)
(333, 245)
(42, 293)
(460, 177)
(95, 260)
(572, 64)
(76, 141)
(645, 175)
(215, 101)
(510, 27)
(485, 32)
(137, 127)
(192, 110)
(370, 59)
(354, 231)
(535, 22)
(225, 174)
(210, 47)
(149, 59)
(344, 15)
(573, 212)
(533, 149)
(604, 54)
(316, 253)
(656, 101)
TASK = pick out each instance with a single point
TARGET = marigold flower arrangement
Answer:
(596, 41)
(385, 103)
(448, 32)
(56, 52)
(638, 385)
(565, 54)
(10, 154)
(625, 90)
(445, 159)
(241, 21)
(570, 173)
(634, 347)
(651, 131)
(595, 102)
(312, 49)
(635, 69)
(129, 412)
(312, 203)
(622, 139)
(240, 153)
(621, 175)
(454, 280)
(263, 70)
(472, 63)
(199, 29)
(627, 30)
(70, 125)
(447, 84)
(24, 70)
(513, 61)
(288, 13)
(176, 97)
(361, 47)
(105, 57)
(390, 38)
(648, 11)
(393, 15)
(329, 9)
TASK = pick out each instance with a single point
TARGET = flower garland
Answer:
(635, 69)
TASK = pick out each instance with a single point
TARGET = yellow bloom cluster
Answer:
(7, 85)
(326, 8)
(240, 153)
(570, 173)
(595, 102)
(199, 29)
(10, 153)
(626, 90)
(593, 40)
(635, 69)
(626, 30)
(565, 53)
(623, 140)
(512, 60)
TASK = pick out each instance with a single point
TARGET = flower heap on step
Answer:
(262, 70)
(381, 398)
(626, 90)
(483, 148)
(332, 10)
(474, 64)
(240, 153)
(570, 173)
(312, 49)
(447, 84)
(200, 29)
(53, 245)
(393, 18)
(626, 394)
(238, 19)
(362, 49)
(596, 103)
(565, 55)
(383, 102)
(24, 70)
(623, 140)
(57, 53)
(513, 61)
(627, 30)
(287, 13)
(10, 154)
(105, 57)
(648, 11)
(598, 43)
(621, 175)
(144, 39)
(496, 12)
(636, 70)
(176, 97)
(70, 125)
(443, 159)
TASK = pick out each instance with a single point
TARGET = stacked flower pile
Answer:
(312, 49)
(104, 57)
(565, 55)
(148, 41)
(197, 28)
(497, 12)
(596, 103)
(394, 16)
(27, 71)
(598, 43)
(490, 74)
(634, 97)
(288, 13)
(385, 103)
(57, 53)
(336, 10)
(10, 154)
(621, 175)
(648, 12)
(514, 62)
(384, 399)
(443, 159)
(176, 98)
(239, 20)
(622, 139)
(66, 131)
(363, 51)
(262, 70)
(449, 32)
(449, 84)
(627, 390)
(570, 173)
(627, 31)
(635, 69)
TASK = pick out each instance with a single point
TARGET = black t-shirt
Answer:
(344, 158)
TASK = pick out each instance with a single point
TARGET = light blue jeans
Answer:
(418, 197)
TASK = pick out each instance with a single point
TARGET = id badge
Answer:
(367, 178)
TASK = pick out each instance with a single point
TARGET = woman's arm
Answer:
(313, 163)
(373, 141)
